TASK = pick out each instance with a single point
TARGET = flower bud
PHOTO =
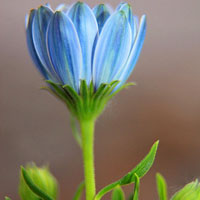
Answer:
(190, 192)
(42, 179)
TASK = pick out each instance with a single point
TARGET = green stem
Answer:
(87, 130)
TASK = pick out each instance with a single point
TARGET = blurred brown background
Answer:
(164, 105)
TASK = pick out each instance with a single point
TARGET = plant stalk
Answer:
(87, 131)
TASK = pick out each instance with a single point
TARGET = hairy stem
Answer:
(87, 131)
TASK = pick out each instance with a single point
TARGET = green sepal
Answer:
(141, 169)
(119, 89)
(161, 187)
(118, 193)
(190, 192)
(7, 198)
(33, 187)
(88, 103)
(79, 191)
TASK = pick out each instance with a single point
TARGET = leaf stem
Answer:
(87, 131)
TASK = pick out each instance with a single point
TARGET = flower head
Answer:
(99, 45)
(40, 178)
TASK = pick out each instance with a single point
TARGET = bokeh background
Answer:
(164, 105)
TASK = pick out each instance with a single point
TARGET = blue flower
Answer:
(76, 43)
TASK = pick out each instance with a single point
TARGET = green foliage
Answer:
(79, 191)
(118, 193)
(89, 102)
(190, 192)
(7, 198)
(37, 183)
(141, 169)
(161, 187)
(136, 188)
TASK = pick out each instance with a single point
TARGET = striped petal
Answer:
(120, 5)
(102, 13)
(87, 29)
(39, 30)
(113, 48)
(31, 47)
(135, 52)
(62, 7)
(64, 49)
(129, 14)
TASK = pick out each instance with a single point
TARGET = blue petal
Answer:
(102, 13)
(87, 29)
(135, 52)
(31, 47)
(64, 49)
(26, 20)
(39, 30)
(48, 5)
(129, 14)
(120, 5)
(62, 7)
(113, 48)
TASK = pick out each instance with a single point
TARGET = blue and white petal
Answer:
(102, 13)
(129, 14)
(112, 49)
(62, 7)
(31, 47)
(39, 30)
(86, 26)
(120, 5)
(135, 52)
(64, 49)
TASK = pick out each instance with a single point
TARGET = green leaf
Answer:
(79, 191)
(118, 193)
(161, 187)
(34, 187)
(141, 169)
(7, 198)
(136, 188)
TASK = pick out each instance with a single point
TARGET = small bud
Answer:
(42, 179)
(191, 191)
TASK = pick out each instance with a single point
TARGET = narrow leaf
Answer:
(34, 187)
(118, 194)
(79, 191)
(161, 187)
(141, 169)
(136, 188)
